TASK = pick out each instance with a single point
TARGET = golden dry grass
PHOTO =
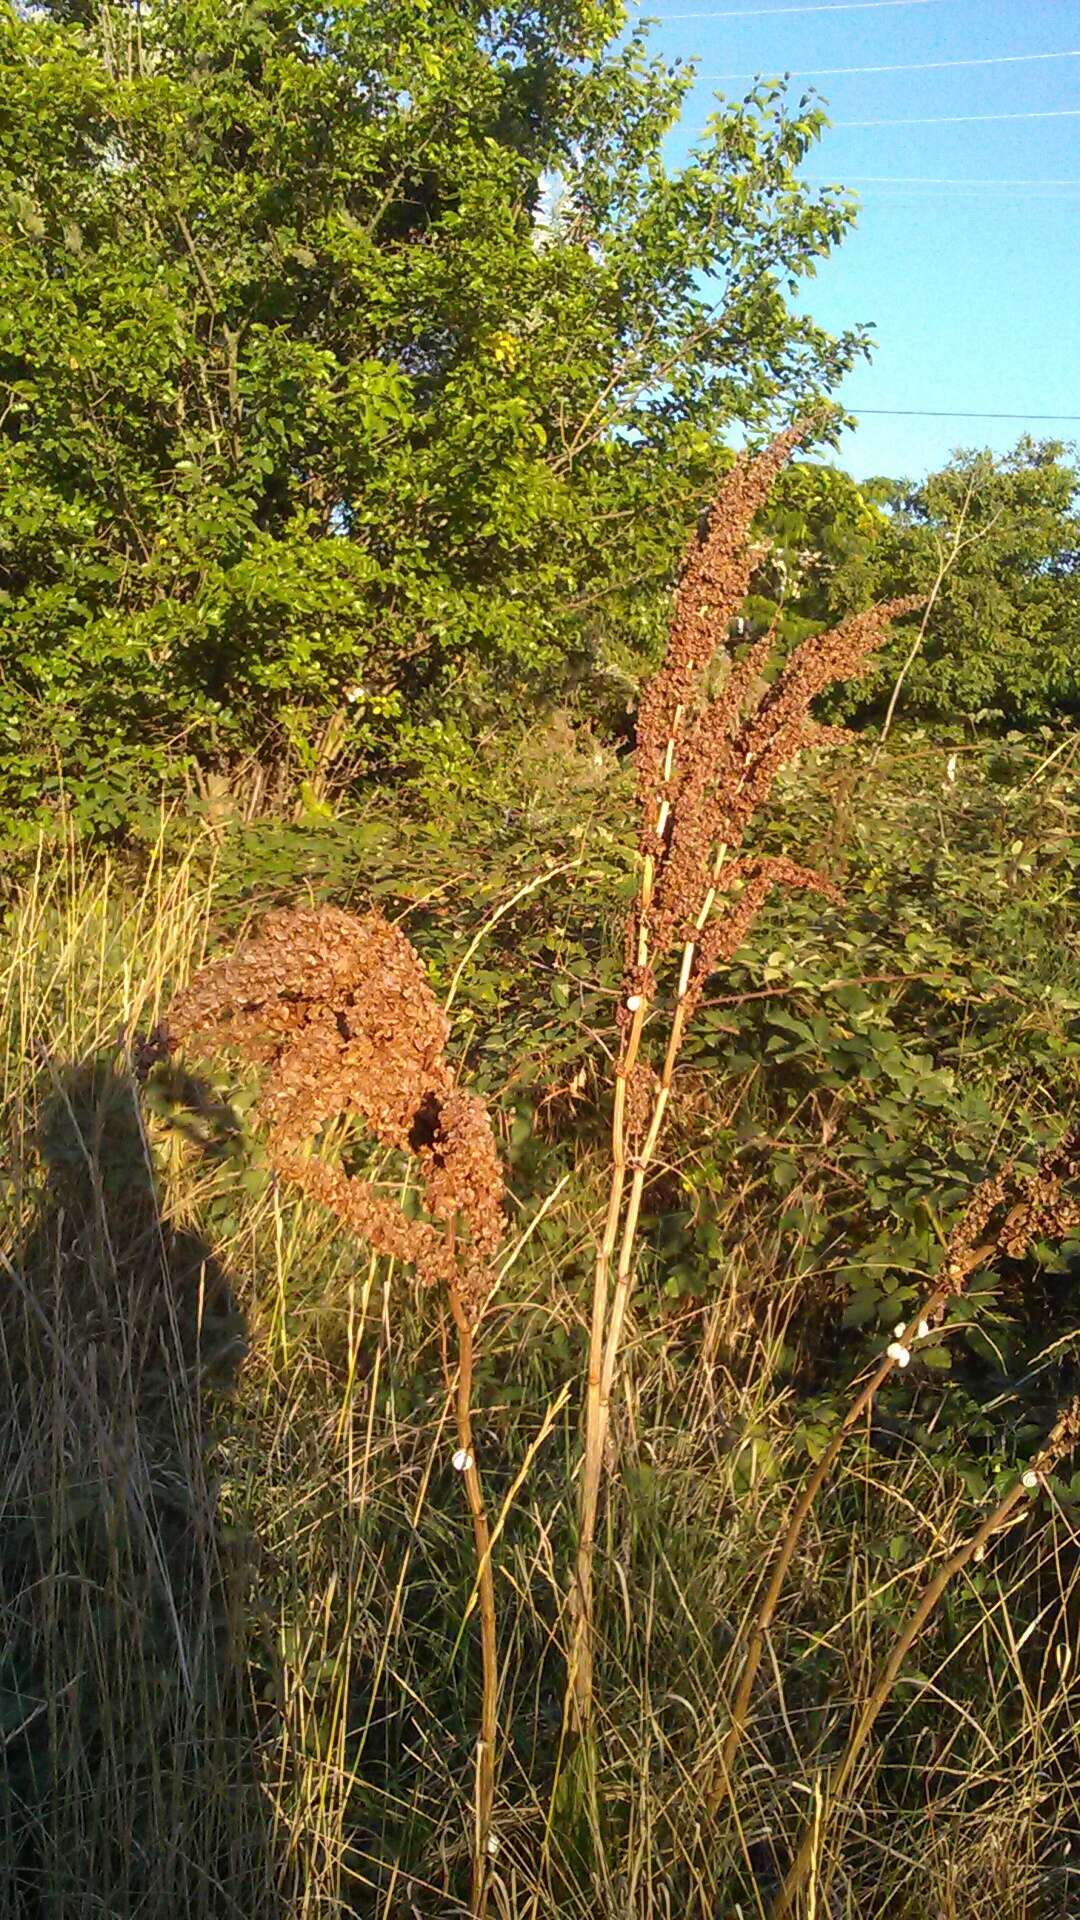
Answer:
(237, 1673)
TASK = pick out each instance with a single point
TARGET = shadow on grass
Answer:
(129, 1743)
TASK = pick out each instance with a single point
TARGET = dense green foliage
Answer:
(1002, 645)
(351, 356)
(1004, 641)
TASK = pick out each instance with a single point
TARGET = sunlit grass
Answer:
(236, 1675)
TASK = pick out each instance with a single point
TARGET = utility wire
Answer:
(940, 119)
(935, 413)
(928, 180)
(962, 119)
(916, 66)
(918, 193)
(831, 6)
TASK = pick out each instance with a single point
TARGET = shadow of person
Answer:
(129, 1763)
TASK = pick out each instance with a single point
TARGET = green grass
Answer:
(238, 1675)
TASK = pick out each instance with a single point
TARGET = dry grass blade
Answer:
(1043, 1209)
(962, 1258)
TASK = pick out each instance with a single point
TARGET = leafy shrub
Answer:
(350, 360)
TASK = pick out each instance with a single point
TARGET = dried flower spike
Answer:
(339, 1010)
(705, 762)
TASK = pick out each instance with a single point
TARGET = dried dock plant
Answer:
(338, 1010)
(705, 765)
(1044, 1210)
(1041, 1209)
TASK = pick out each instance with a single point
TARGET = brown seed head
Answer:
(340, 1010)
(715, 577)
(1044, 1210)
(725, 934)
(1064, 1437)
(704, 768)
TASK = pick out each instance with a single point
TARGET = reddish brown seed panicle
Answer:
(964, 1250)
(1045, 1211)
(1063, 1439)
(715, 577)
(340, 1010)
(462, 1171)
(641, 1090)
(705, 768)
(702, 815)
(774, 733)
(369, 1214)
(726, 933)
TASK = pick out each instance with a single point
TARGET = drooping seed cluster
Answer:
(724, 935)
(966, 1247)
(339, 1010)
(1045, 1210)
(706, 765)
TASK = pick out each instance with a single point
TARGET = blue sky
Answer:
(974, 289)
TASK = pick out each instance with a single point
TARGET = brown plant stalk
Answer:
(1041, 1210)
(962, 1258)
(339, 1010)
(1062, 1440)
(705, 763)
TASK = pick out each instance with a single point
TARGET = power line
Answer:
(961, 119)
(902, 199)
(829, 6)
(935, 413)
(940, 119)
(956, 193)
(930, 180)
(916, 66)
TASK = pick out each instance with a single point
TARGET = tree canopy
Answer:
(350, 354)
(1003, 643)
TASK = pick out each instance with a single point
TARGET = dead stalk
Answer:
(1040, 1208)
(1061, 1441)
(755, 1646)
(486, 1741)
(704, 767)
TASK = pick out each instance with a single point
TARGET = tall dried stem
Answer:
(1063, 1439)
(704, 767)
(340, 1011)
(1039, 1209)
(486, 1739)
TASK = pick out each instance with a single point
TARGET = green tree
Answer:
(1003, 643)
(346, 351)
(821, 529)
